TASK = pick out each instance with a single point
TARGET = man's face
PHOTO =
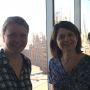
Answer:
(15, 38)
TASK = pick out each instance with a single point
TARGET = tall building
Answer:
(37, 52)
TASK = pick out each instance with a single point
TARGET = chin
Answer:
(67, 49)
(17, 50)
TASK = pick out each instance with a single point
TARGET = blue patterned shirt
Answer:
(8, 78)
(79, 79)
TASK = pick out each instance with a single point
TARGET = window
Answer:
(34, 12)
(85, 27)
(64, 10)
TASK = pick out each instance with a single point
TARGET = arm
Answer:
(52, 75)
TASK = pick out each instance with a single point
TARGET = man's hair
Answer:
(15, 19)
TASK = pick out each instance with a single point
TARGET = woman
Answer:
(15, 68)
(69, 67)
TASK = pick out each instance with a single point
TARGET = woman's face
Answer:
(66, 40)
(15, 38)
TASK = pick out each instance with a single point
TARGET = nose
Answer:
(66, 38)
(18, 38)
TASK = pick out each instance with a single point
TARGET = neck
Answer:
(12, 54)
(69, 55)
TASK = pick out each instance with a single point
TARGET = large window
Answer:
(64, 10)
(34, 12)
(85, 25)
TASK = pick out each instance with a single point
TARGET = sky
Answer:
(86, 13)
(34, 11)
(67, 7)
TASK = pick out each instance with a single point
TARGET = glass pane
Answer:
(85, 27)
(34, 12)
(64, 10)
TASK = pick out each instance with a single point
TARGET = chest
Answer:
(8, 79)
(70, 66)
(16, 66)
(80, 71)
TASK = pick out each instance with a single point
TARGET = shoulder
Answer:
(27, 63)
(51, 61)
(54, 62)
(26, 59)
(1, 51)
(86, 60)
(3, 58)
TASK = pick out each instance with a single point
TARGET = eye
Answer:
(71, 35)
(23, 35)
(60, 37)
(15, 35)
(12, 35)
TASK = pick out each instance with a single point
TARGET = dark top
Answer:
(8, 78)
(78, 79)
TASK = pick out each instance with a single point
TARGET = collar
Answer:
(3, 58)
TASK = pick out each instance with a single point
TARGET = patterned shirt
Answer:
(78, 79)
(8, 78)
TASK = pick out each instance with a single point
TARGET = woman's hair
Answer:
(55, 50)
(15, 19)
